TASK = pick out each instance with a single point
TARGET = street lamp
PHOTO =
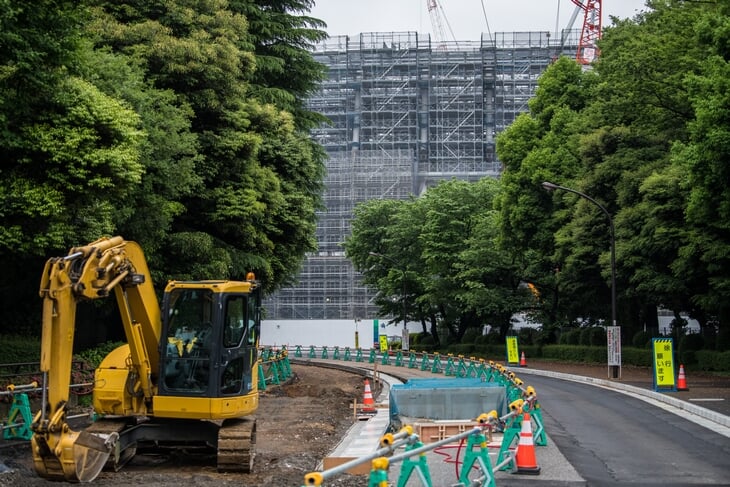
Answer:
(615, 369)
(403, 295)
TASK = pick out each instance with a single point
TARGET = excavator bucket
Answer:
(91, 453)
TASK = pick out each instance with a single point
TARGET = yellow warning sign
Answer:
(383, 343)
(513, 352)
(663, 354)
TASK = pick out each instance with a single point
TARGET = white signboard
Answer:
(613, 339)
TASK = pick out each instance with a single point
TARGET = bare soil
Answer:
(298, 424)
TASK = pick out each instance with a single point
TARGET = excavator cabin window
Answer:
(210, 343)
(239, 339)
(190, 340)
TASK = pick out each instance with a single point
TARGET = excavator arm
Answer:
(87, 273)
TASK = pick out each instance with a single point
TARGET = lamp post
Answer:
(403, 296)
(614, 369)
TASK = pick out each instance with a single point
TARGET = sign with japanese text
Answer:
(613, 342)
(663, 360)
(513, 352)
(383, 343)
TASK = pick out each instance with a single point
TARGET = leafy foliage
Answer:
(439, 252)
(645, 136)
(155, 121)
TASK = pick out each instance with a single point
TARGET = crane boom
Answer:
(590, 32)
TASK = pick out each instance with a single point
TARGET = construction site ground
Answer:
(299, 423)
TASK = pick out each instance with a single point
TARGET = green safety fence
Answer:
(274, 367)
(522, 401)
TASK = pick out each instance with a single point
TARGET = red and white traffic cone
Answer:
(368, 404)
(526, 461)
(682, 380)
(523, 362)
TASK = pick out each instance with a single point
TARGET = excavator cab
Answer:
(209, 340)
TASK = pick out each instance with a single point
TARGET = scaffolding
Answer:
(404, 115)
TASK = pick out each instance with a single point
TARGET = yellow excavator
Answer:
(187, 376)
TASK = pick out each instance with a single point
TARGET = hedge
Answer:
(18, 349)
(708, 360)
(713, 361)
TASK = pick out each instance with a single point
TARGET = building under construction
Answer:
(406, 113)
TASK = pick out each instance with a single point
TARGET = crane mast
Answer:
(590, 32)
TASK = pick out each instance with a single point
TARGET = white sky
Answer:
(466, 17)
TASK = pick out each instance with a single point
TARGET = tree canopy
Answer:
(644, 133)
(180, 125)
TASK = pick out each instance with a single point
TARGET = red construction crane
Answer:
(591, 32)
(438, 17)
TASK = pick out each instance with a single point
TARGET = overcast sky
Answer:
(466, 17)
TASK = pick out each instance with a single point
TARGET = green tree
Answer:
(260, 177)
(703, 257)
(283, 37)
(442, 248)
(70, 151)
(491, 282)
(542, 146)
(640, 108)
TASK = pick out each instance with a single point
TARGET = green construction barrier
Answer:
(19, 419)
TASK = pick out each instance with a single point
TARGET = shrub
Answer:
(461, 348)
(638, 356)
(584, 336)
(546, 337)
(597, 336)
(17, 349)
(426, 342)
(688, 345)
(531, 351)
(713, 361)
(94, 356)
(493, 338)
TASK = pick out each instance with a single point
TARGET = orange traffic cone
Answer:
(526, 461)
(523, 362)
(682, 380)
(368, 405)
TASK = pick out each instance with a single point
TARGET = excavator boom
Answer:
(88, 272)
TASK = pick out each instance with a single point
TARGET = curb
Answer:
(699, 411)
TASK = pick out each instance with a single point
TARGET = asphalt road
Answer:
(614, 439)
